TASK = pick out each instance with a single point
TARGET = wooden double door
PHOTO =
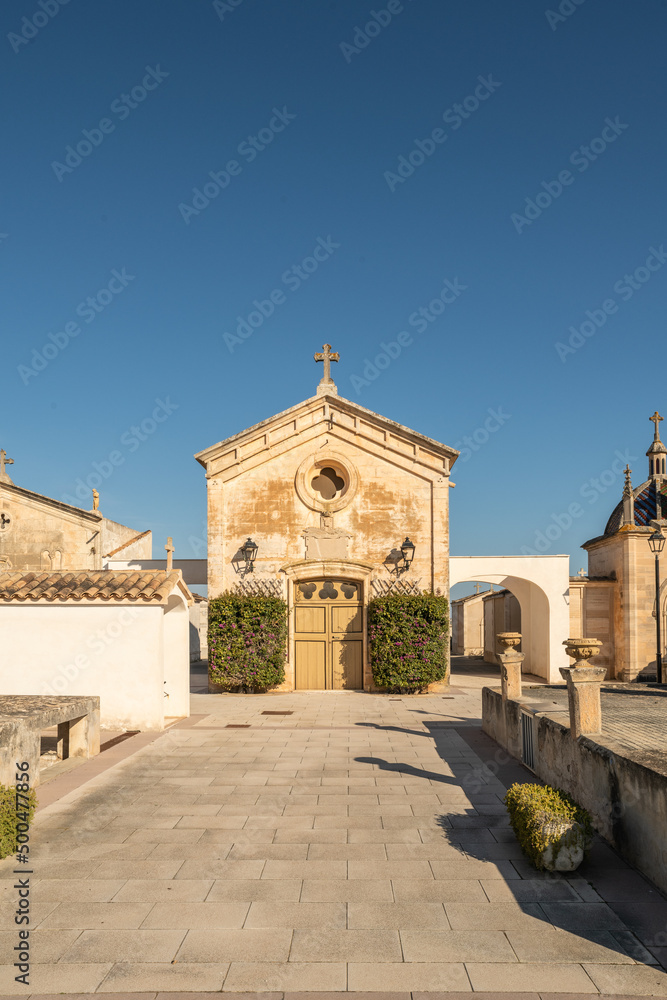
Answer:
(328, 635)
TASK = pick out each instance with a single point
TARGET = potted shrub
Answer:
(553, 831)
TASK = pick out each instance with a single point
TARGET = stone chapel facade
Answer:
(616, 600)
(327, 491)
(40, 534)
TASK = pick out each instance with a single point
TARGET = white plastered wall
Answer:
(115, 651)
(176, 657)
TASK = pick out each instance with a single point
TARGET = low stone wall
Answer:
(625, 795)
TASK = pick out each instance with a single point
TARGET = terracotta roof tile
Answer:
(147, 585)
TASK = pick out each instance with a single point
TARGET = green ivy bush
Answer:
(538, 815)
(408, 636)
(9, 817)
(247, 641)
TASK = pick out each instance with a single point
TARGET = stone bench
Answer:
(22, 719)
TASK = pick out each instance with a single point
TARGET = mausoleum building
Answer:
(616, 600)
(40, 534)
(328, 504)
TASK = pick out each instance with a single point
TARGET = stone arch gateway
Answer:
(541, 586)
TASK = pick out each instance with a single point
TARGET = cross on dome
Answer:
(657, 452)
(656, 418)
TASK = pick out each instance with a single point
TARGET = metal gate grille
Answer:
(527, 741)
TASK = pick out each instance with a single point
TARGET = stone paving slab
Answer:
(362, 850)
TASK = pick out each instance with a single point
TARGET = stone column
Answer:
(510, 665)
(583, 687)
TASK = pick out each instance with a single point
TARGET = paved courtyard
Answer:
(358, 843)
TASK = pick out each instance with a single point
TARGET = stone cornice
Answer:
(336, 415)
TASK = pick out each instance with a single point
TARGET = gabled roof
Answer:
(57, 505)
(146, 586)
(290, 428)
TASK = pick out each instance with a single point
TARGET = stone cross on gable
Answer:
(170, 553)
(4, 461)
(656, 418)
(327, 384)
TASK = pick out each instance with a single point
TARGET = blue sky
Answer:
(510, 221)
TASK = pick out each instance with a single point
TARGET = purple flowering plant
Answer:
(408, 638)
(247, 641)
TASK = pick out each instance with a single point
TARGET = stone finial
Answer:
(581, 650)
(4, 475)
(628, 499)
(327, 384)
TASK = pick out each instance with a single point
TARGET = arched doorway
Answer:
(327, 602)
(328, 635)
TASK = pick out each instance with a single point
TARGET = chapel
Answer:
(327, 505)
(38, 533)
(616, 600)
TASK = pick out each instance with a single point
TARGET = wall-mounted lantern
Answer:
(249, 553)
(408, 553)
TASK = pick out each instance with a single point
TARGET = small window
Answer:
(328, 484)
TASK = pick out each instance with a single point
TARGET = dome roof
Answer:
(650, 504)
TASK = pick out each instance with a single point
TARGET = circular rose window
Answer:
(326, 482)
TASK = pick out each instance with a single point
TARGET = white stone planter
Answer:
(568, 843)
